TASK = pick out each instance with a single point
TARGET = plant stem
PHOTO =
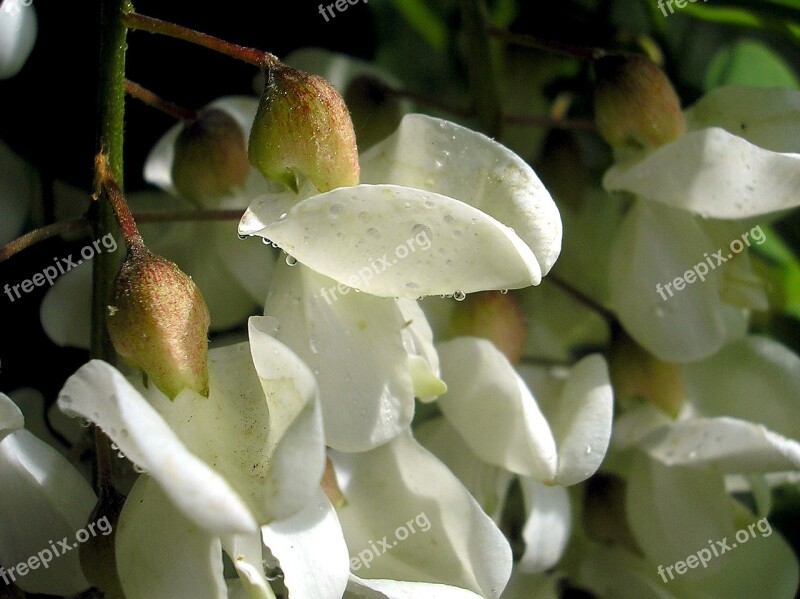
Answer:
(104, 180)
(480, 70)
(252, 56)
(579, 295)
(144, 95)
(33, 237)
(529, 41)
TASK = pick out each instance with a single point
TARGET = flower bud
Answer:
(495, 316)
(210, 157)
(302, 127)
(159, 322)
(636, 374)
(635, 103)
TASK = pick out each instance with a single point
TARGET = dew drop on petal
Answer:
(283, 216)
(114, 446)
(588, 449)
(363, 217)
(374, 233)
(85, 423)
(242, 237)
(335, 210)
(265, 241)
(448, 219)
(504, 291)
(139, 469)
(290, 260)
(459, 296)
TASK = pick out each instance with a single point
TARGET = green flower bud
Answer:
(210, 157)
(303, 127)
(159, 322)
(495, 316)
(634, 102)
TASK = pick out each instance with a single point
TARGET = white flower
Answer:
(18, 27)
(217, 467)
(44, 498)
(18, 187)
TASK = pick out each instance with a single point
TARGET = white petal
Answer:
(311, 541)
(728, 383)
(674, 511)
(101, 394)
(246, 553)
(399, 488)
(397, 241)
(581, 420)
(547, 526)
(766, 117)
(440, 156)
(43, 498)
(18, 27)
(488, 484)
(161, 553)
(613, 571)
(532, 586)
(725, 444)
(393, 589)
(712, 173)
(18, 182)
(653, 246)
(248, 260)
(493, 410)
(71, 293)
(354, 346)
(423, 361)
(11, 418)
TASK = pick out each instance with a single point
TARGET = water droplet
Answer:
(265, 241)
(314, 345)
(504, 291)
(283, 216)
(242, 237)
(275, 245)
(419, 229)
(120, 455)
(459, 296)
(335, 210)
(363, 217)
(448, 219)
(588, 449)
(429, 204)
(114, 446)
(374, 233)
(412, 285)
(290, 260)
(139, 469)
(86, 423)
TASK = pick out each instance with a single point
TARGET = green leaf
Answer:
(424, 21)
(780, 269)
(749, 62)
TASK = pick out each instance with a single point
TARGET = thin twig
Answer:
(552, 46)
(146, 96)
(41, 234)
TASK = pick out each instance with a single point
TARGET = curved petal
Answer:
(753, 367)
(581, 420)
(407, 517)
(653, 246)
(101, 394)
(246, 554)
(354, 346)
(160, 553)
(18, 28)
(11, 418)
(726, 445)
(547, 526)
(71, 294)
(488, 484)
(247, 260)
(394, 241)
(766, 117)
(43, 498)
(18, 182)
(310, 541)
(423, 361)
(712, 173)
(361, 588)
(492, 409)
(439, 156)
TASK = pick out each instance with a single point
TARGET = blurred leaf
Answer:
(749, 62)
(503, 12)
(778, 18)
(780, 268)
(424, 21)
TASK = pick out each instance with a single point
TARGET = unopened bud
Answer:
(635, 103)
(210, 157)
(638, 375)
(159, 322)
(495, 316)
(303, 127)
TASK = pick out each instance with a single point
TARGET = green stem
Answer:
(252, 56)
(480, 70)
